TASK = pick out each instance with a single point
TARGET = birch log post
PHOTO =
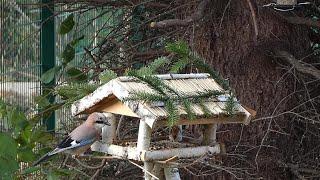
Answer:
(144, 138)
(209, 134)
(157, 171)
(155, 155)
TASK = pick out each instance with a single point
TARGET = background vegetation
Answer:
(270, 57)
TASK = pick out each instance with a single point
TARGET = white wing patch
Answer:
(73, 144)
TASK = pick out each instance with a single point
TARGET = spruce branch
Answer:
(172, 110)
(204, 108)
(230, 106)
(200, 64)
(188, 109)
(106, 76)
(72, 92)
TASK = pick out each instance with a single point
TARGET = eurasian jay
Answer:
(81, 138)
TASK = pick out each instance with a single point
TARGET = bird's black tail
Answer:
(42, 159)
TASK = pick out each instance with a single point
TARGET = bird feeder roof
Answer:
(111, 97)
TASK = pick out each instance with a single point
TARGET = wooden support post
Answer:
(109, 132)
(149, 167)
(144, 138)
(171, 173)
(209, 134)
(157, 171)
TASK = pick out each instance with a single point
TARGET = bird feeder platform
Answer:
(112, 98)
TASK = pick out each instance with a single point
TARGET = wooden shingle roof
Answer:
(109, 97)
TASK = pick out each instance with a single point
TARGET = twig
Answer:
(87, 166)
(118, 127)
(303, 68)
(63, 164)
(224, 12)
(103, 163)
(254, 20)
(183, 22)
(81, 172)
(168, 160)
(302, 21)
(144, 169)
(106, 157)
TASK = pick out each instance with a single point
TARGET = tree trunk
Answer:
(226, 38)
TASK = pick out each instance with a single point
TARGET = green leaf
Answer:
(26, 154)
(8, 146)
(8, 167)
(67, 25)
(30, 170)
(3, 109)
(52, 176)
(41, 136)
(42, 101)
(27, 133)
(48, 76)
(8, 152)
(75, 74)
(17, 119)
(76, 41)
(68, 54)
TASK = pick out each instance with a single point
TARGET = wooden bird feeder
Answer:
(286, 5)
(110, 98)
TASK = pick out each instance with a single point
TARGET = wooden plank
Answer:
(251, 111)
(215, 120)
(115, 106)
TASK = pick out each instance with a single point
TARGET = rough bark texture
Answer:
(225, 38)
(231, 51)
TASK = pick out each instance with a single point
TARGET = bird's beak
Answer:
(106, 123)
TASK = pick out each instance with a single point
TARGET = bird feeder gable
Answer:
(115, 106)
(286, 5)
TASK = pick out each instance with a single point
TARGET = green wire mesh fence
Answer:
(20, 49)
(20, 55)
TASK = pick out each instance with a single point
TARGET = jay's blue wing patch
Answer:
(68, 143)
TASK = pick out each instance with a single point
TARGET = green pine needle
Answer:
(73, 92)
(153, 67)
(230, 107)
(180, 47)
(173, 115)
(204, 108)
(200, 64)
(179, 65)
(107, 75)
(188, 109)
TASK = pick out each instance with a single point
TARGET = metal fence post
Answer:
(47, 52)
